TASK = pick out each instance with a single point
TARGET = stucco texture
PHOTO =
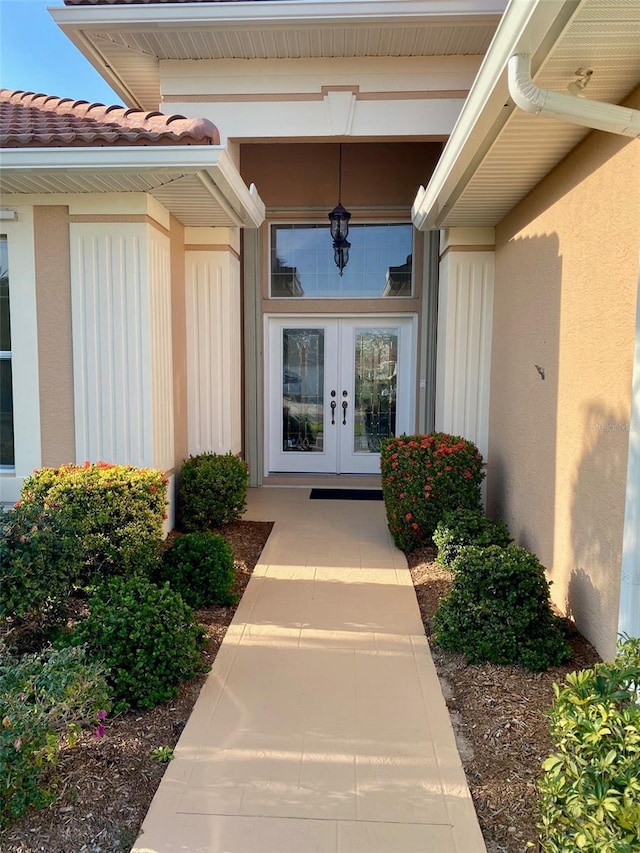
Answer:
(55, 359)
(563, 347)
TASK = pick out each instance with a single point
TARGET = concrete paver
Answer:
(322, 726)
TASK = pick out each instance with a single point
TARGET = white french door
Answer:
(335, 387)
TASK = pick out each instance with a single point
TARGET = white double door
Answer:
(335, 388)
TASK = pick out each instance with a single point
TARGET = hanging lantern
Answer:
(339, 219)
(341, 253)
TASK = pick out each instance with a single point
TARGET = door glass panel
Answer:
(376, 375)
(303, 390)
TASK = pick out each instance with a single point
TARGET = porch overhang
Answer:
(127, 43)
(199, 185)
(497, 153)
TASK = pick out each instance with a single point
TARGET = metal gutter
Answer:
(532, 27)
(210, 164)
(183, 15)
(594, 114)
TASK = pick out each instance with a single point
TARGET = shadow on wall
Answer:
(521, 479)
(597, 520)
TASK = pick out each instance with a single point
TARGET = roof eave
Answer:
(211, 165)
(81, 23)
(533, 27)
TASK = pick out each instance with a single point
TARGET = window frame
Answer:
(314, 222)
(7, 355)
(24, 352)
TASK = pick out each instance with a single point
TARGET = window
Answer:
(7, 457)
(380, 262)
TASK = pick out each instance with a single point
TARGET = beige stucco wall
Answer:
(55, 358)
(565, 303)
(374, 174)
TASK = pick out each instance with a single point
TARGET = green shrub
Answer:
(590, 788)
(200, 567)
(423, 477)
(39, 561)
(212, 491)
(117, 512)
(498, 610)
(45, 699)
(467, 527)
(145, 635)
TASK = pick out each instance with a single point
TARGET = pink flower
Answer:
(100, 728)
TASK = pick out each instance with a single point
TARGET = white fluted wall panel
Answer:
(213, 352)
(465, 313)
(161, 351)
(111, 343)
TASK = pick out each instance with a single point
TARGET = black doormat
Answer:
(346, 494)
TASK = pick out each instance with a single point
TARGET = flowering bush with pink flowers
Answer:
(423, 477)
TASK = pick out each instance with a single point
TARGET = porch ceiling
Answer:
(200, 187)
(496, 153)
(126, 43)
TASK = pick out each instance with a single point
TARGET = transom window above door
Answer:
(380, 262)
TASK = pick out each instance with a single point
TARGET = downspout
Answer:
(569, 108)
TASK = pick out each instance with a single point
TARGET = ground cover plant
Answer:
(45, 700)
(424, 477)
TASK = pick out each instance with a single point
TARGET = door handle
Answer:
(344, 412)
(333, 412)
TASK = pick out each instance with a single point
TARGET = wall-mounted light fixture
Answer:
(8, 214)
(339, 219)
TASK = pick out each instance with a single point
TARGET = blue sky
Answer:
(36, 56)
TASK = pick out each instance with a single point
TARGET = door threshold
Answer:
(333, 481)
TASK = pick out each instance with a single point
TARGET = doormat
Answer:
(346, 494)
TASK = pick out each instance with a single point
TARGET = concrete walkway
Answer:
(321, 726)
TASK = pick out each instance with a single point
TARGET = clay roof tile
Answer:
(36, 120)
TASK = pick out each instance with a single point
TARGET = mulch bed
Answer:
(106, 785)
(499, 717)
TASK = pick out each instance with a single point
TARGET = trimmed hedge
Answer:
(590, 789)
(200, 567)
(145, 635)
(423, 477)
(498, 610)
(117, 512)
(467, 527)
(212, 491)
(39, 562)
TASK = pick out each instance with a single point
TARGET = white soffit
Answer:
(126, 42)
(488, 176)
(200, 185)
